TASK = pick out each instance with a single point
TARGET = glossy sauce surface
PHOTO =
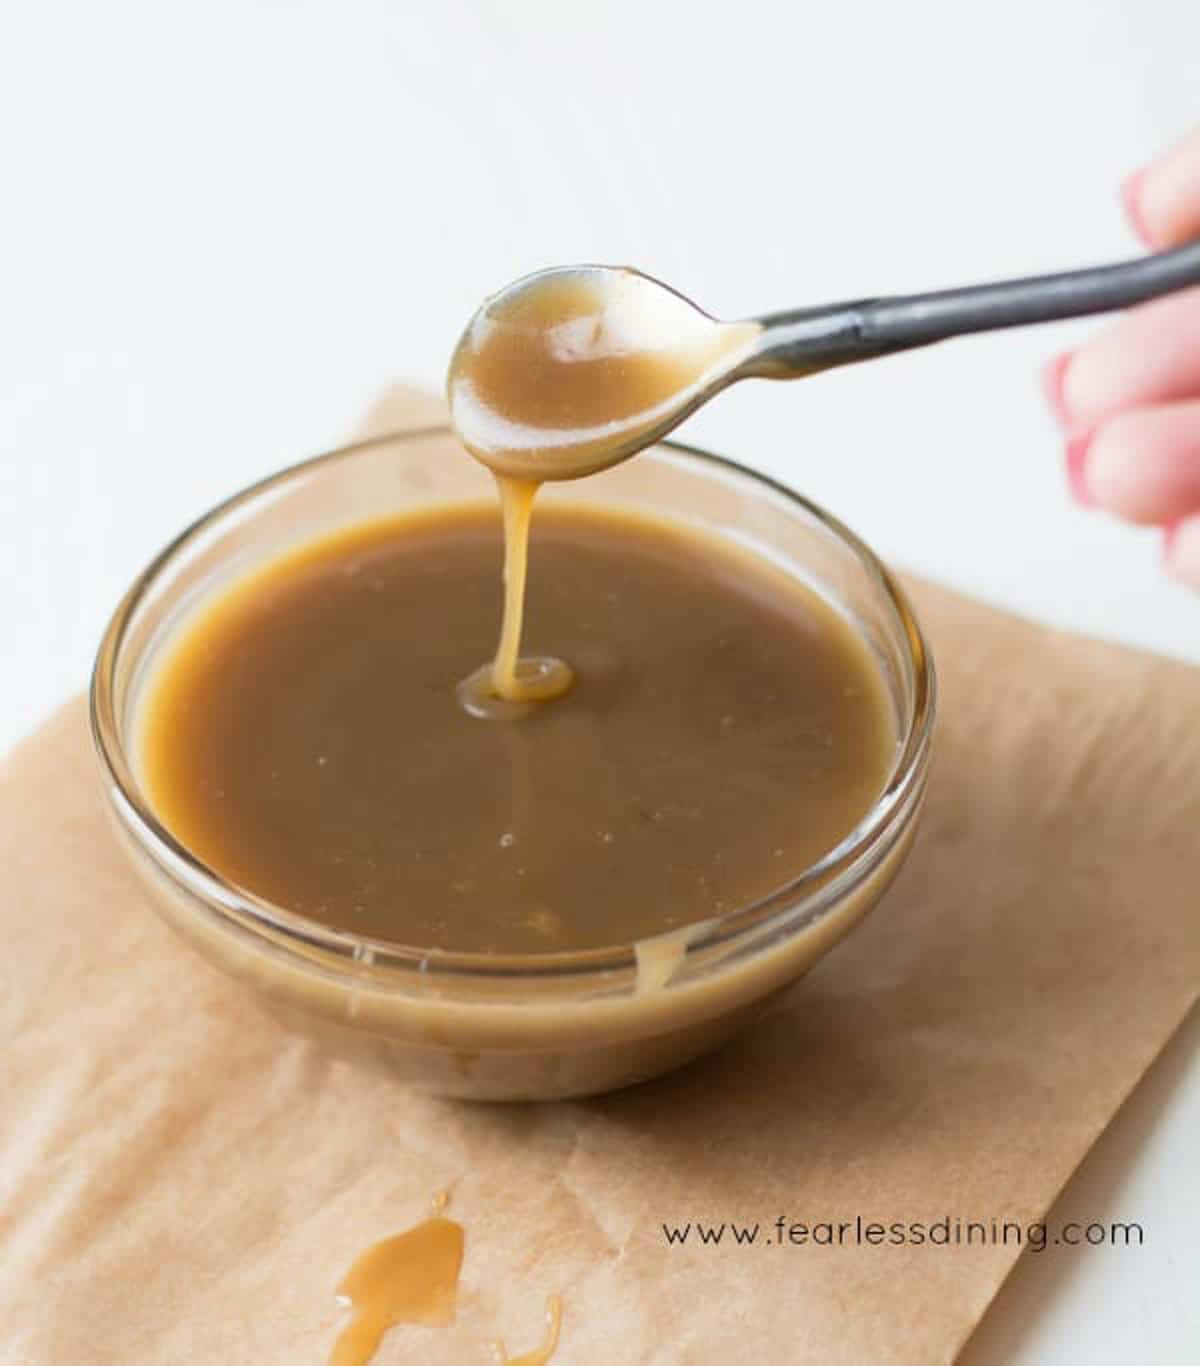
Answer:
(725, 729)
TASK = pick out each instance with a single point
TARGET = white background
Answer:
(223, 227)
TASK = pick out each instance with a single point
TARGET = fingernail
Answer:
(1077, 453)
(1131, 198)
(1053, 378)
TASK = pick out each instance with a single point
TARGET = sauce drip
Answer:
(540, 1355)
(509, 685)
(411, 1277)
(557, 380)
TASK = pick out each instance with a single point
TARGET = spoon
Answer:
(576, 368)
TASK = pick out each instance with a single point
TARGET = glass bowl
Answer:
(515, 1027)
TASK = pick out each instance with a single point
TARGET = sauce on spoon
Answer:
(562, 374)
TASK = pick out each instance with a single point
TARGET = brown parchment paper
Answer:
(182, 1181)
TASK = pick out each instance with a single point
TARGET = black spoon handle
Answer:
(817, 338)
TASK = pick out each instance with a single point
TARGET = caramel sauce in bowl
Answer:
(527, 1025)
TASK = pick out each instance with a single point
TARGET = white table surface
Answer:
(226, 226)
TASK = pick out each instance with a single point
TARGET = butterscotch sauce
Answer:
(659, 957)
(314, 735)
(726, 728)
(409, 1278)
(568, 375)
(540, 1355)
(413, 1277)
(555, 381)
(507, 688)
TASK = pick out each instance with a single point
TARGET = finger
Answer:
(1181, 551)
(1163, 201)
(1151, 355)
(1142, 465)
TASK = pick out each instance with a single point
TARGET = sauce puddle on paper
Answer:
(412, 1277)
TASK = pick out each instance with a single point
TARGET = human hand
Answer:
(1128, 400)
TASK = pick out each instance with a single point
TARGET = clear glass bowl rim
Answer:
(800, 901)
